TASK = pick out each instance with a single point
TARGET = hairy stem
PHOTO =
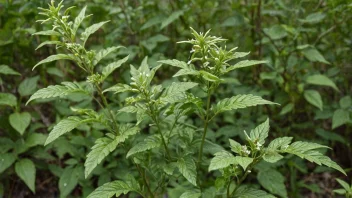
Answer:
(162, 138)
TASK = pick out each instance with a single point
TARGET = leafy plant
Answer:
(162, 144)
(346, 190)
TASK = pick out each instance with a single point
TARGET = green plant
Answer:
(171, 139)
(346, 190)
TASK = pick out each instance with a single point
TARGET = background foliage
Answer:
(307, 45)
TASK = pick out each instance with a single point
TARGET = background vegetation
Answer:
(307, 44)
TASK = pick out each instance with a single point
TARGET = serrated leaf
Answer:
(175, 15)
(244, 63)
(103, 53)
(4, 69)
(59, 91)
(175, 63)
(239, 102)
(244, 162)
(68, 181)
(20, 121)
(307, 150)
(191, 194)
(112, 66)
(279, 143)
(222, 160)
(48, 43)
(273, 181)
(78, 20)
(148, 143)
(6, 160)
(28, 86)
(340, 117)
(118, 88)
(245, 191)
(272, 156)
(314, 98)
(105, 145)
(235, 146)
(323, 80)
(116, 188)
(208, 76)
(48, 33)
(65, 126)
(25, 169)
(176, 92)
(8, 99)
(187, 168)
(90, 30)
(54, 58)
(260, 133)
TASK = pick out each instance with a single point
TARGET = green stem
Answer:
(206, 123)
(162, 138)
(106, 105)
(145, 180)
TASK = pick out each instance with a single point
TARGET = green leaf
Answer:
(239, 102)
(4, 69)
(176, 92)
(260, 133)
(307, 150)
(116, 188)
(275, 32)
(314, 98)
(175, 63)
(48, 43)
(148, 143)
(59, 91)
(287, 108)
(28, 86)
(313, 18)
(175, 15)
(25, 169)
(346, 102)
(90, 30)
(54, 58)
(191, 194)
(314, 55)
(6, 160)
(188, 71)
(78, 20)
(208, 76)
(187, 168)
(105, 145)
(112, 66)
(340, 117)
(244, 63)
(68, 181)
(273, 181)
(235, 146)
(272, 156)
(34, 139)
(48, 33)
(222, 160)
(280, 143)
(118, 88)
(245, 191)
(65, 126)
(20, 121)
(244, 162)
(8, 99)
(344, 184)
(103, 53)
(323, 80)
